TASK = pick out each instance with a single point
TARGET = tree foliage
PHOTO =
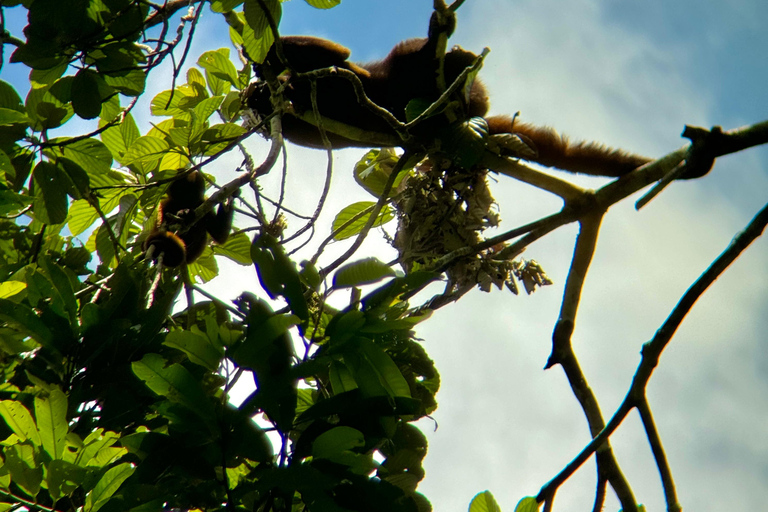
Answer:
(111, 398)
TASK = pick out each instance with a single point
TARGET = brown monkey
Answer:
(408, 72)
(182, 198)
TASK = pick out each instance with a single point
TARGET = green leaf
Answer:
(338, 445)
(484, 502)
(50, 203)
(257, 35)
(173, 382)
(20, 421)
(11, 288)
(374, 371)
(90, 154)
(178, 101)
(9, 98)
(145, 149)
(64, 478)
(277, 274)
(365, 271)
(268, 351)
(49, 107)
(224, 5)
(527, 504)
(63, 294)
(341, 378)
(94, 447)
(25, 471)
(221, 136)
(118, 138)
(205, 109)
(107, 486)
(218, 67)
(198, 348)
(131, 82)
(51, 414)
(237, 248)
(86, 100)
(82, 214)
(10, 117)
(42, 77)
(26, 321)
(373, 170)
(323, 4)
(351, 220)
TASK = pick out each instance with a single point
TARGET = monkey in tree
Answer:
(183, 196)
(409, 72)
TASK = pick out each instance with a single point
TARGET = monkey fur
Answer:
(407, 73)
(182, 198)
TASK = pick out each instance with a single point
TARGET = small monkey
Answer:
(182, 198)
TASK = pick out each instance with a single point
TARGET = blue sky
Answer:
(632, 74)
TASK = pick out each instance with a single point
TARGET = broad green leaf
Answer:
(373, 170)
(9, 98)
(527, 504)
(107, 486)
(237, 248)
(11, 288)
(178, 101)
(26, 321)
(204, 268)
(63, 478)
(9, 116)
(194, 76)
(278, 275)
(49, 107)
(42, 77)
(62, 288)
(145, 149)
(256, 33)
(51, 414)
(86, 100)
(50, 203)
(173, 160)
(484, 502)
(221, 136)
(374, 371)
(365, 271)
(130, 83)
(337, 445)
(198, 348)
(173, 382)
(20, 421)
(224, 5)
(268, 351)
(465, 142)
(24, 469)
(82, 214)
(90, 154)
(341, 378)
(118, 138)
(351, 220)
(205, 109)
(96, 442)
(323, 4)
(218, 68)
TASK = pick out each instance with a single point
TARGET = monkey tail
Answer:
(556, 150)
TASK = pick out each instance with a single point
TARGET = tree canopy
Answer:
(117, 397)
